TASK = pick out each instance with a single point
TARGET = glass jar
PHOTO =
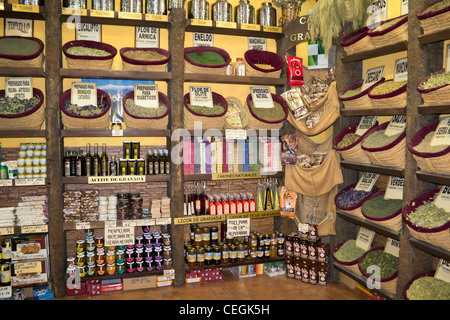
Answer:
(260, 252)
(233, 253)
(110, 257)
(111, 268)
(99, 242)
(100, 257)
(214, 235)
(192, 257)
(206, 236)
(267, 15)
(120, 267)
(208, 255)
(273, 251)
(253, 252)
(90, 258)
(266, 251)
(140, 265)
(75, 4)
(156, 7)
(200, 256)
(280, 250)
(216, 254)
(81, 271)
(81, 245)
(131, 6)
(198, 237)
(168, 264)
(107, 5)
(101, 268)
(81, 259)
(225, 253)
(240, 255)
(91, 269)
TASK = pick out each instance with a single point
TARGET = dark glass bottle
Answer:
(73, 163)
(197, 200)
(149, 162)
(96, 162)
(83, 162)
(113, 166)
(88, 160)
(162, 162)
(167, 161)
(78, 164)
(155, 162)
(203, 200)
(104, 164)
(67, 164)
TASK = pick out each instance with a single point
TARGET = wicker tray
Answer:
(440, 236)
(30, 120)
(354, 210)
(191, 66)
(429, 273)
(434, 95)
(136, 122)
(252, 57)
(392, 222)
(430, 162)
(391, 155)
(254, 122)
(360, 100)
(143, 65)
(396, 98)
(351, 265)
(396, 33)
(352, 152)
(208, 121)
(434, 21)
(73, 122)
(357, 41)
(34, 61)
(89, 62)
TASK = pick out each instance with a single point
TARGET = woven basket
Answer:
(388, 284)
(253, 57)
(89, 62)
(191, 66)
(354, 210)
(145, 65)
(440, 236)
(353, 152)
(392, 222)
(244, 119)
(350, 265)
(357, 41)
(391, 155)
(396, 98)
(430, 162)
(360, 100)
(429, 273)
(396, 33)
(208, 121)
(434, 21)
(73, 122)
(34, 61)
(254, 122)
(136, 122)
(434, 95)
(30, 120)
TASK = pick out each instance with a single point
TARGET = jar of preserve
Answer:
(111, 268)
(82, 271)
(167, 252)
(253, 239)
(129, 255)
(120, 267)
(89, 233)
(110, 257)
(139, 254)
(273, 239)
(214, 235)
(70, 261)
(158, 263)
(192, 257)
(198, 237)
(91, 269)
(216, 254)
(99, 242)
(130, 266)
(253, 252)
(206, 236)
(233, 253)
(81, 259)
(208, 255)
(168, 263)
(240, 255)
(225, 253)
(193, 227)
(148, 263)
(139, 242)
(260, 252)
(90, 258)
(71, 271)
(148, 252)
(100, 257)
(90, 244)
(200, 256)
(166, 239)
(140, 266)
(120, 256)
(111, 248)
(280, 250)
(81, 245)
(101, 269)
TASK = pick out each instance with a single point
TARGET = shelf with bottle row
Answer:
(226, 79)
(429, 248)
(373, 112)
(224, 217)
(22, 11)
(437, 178)
(247, 261)
(378, 52)
(434, 108)
(114, 74)
(390, 171)
(437, 36)
(123, 275)
(75, 225)
(233, 175)
(115, 133)
(34, 229)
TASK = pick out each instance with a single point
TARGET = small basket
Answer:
(350, 265)
(191, 66)
(357, 41)
(434, 95)
(388, 284)
(392, 222)
(440, 236)
(429, 273)
(244, 119)
(434, 21)
(360, 100)
(430, 162)
(145, 65)
(89, 62)
(395, 34)
(30, 120)
(391, 155)
(396, 98)
(208, 121)
(354, 210)
(33, 61)
(252, 57)
(136, 122)
(254, 122)
(352, 152)
(74, 122)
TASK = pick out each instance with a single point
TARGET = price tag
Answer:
(75, 12)
(303, 227)
(204, 23)
(128, 223)
(252, 27)
(235, 134)
(110, 224)
(225, 24)
(147, 37)
(365, 124)
(18, 27)
(6, 182)
(35, 229)
(28, 267)
(163, 221)
(84, 93)
(238, 227)
(443, 270)
(30, 182)
(442, 199)
(25, 8)
(262, 98)
(5, 292)
(6, 231)
(272, 29)
(146, 95)
(88, 31)
(117, 133)
(372, 76)
(392, 247)
(396, 125)
(119, 236)
(201, 96)
(364, 238)
(169, 274)
(394, 189)
(101, 13)
(130, 15)
(401, 70)
(367, 181)
(145, 222)
(21, 88)
(257, 44)
(202, 39)
(442, 133)
(156, 17)
(82, 225)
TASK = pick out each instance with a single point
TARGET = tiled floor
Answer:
(232, 288)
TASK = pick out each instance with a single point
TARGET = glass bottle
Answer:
(78, 164)
(197, 201)
(104, 164)
(259, 197)
(268, 204)
(162, 162)
(167, 161)
(67, 164)
(96, 162)
(88, 160)
(73, 163)
(155, 162)
(113, 166)
(149, 162)
(203, 200)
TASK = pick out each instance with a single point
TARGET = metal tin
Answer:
(177, 4)
(222, 11)
(75, 4)
(107, 5)
(245, 12)
(267, 15)
(198, 9)
(156, 7)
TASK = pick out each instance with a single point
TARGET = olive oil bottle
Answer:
(88, 160)
(104, 164)
(96, 162)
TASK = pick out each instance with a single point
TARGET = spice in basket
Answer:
(208, 58)
(18, 46)
(378, 139)
(144, 55)
(349, 252)
(429, 288)
(379, 207)
(276, 113)
(351, 197)
(424, 145)
(429, 216)
(348, 140)
(16, 106)
(436, 80)
(215, 110)
(263, 66)
(86, 51)
(351, 93)
(388, 24)
(437, 6)
(85, 111)
(144, 112)
(387, 263)
(387, 87)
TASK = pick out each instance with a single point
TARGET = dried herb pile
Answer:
(208, 58)
(349, 252)
(424, 145)
(378, 139)
(144, 55)
(436, 80)
(388, 24)
(429, 216)
(429, 288)
(139, 111)
(85, 111)
(215, 110)
(387, 263)
(16, 106)
(276, 113)
(387, 87)
(352, 197)
(438, 6)
(379, 207)
(348, 139)
(263, 66)
(85, 51)
(18, 46)
(352, 93)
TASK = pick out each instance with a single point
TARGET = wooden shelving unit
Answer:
(373, 112)
(210, 78)
(110, 133)
(402, 46)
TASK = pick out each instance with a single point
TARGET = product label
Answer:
(365, 124)
(28, 267)
(442, 199)
(394, 189)
(401, 70)
(21, 88)
(238, 227)
(442, 133)
(202, 39)
(257, 44)
(198, 22)
(147, 37)
(101, 13)
(396, 125)
(372, 76)
(18, 27)
(253, 27)
(156, 17)
(443, 270)
(262, 98)
(130, 15)
(84, 93)
(367, 181)
(25, 8)
(146, 95)
(88, 31)
(225, 24)
(116, 179)
(392, 247)
(201, 96)
(364, 238)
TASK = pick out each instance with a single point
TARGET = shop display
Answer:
(21, 51)
(245, 12)
(384, 212)
(206, 60)
(266, 118)
(31, 163)
(210, 118)
(266, 15)
(89, 61)
(434, 17)
(263, 64)
(357, 41)
(222, 11)
(434, 88)
(145, 59)
(352, 96)
(138, 117)
(349, 197)
(425, 286)
(390, 32)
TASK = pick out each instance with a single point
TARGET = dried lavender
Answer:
(387, 263)
(352, 197)
(429, 216)
(16, 106)
(349, 252)
(85, 111)
(429, 288)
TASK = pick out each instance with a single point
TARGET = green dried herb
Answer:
(429, 288)
(436, 80)
(276, 113)
(429, 216)
(424, 145)
(387, 263)
(215, 110)
(18, 46)
(387, 87)
(378, 139)
(349, 252)
(85, 51)
(388, 24)
(139, 111)
(348, 139)
(208, 57)
(379, 207)
(438, 6)
(351, 93)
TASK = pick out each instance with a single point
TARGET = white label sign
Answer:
(119, 236)
(84, 93)
(396, 125)
(238, 227)
(447, 58)
(394, 189)
(146, 95)
(18, 27)
(442, 133)
(379, 11)
(443, 270)
(147, 37)
(261, 97)
(401, 70)
(235, 134)
(88, 31)
(21, 88)
(364, 238)
(372, 76)
(392, 247)
(257, 44)
(405, 7)
(365, 124)
(442, 199)
(203, 39)
(367, 181)
(201, 96)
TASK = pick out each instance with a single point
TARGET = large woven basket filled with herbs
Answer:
(429, 158)
(357, 41)
(86, 54)
(435, 88)
(425, 286)
(21, 52)
(211, 118)
(76, 117)
(138, 117)
(347, 254)
(383, 212)
(435, 17)
(262, 118)
(388, 268)
(353, 97)
(385, 150)
(388, 94)
(145, 59)
(390, 32)
(263, 64)
(348, 144)
(20, 114)
(210, 60)
(426, 221)
(350, 200)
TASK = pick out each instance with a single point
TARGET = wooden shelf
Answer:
(114, 74)
(389, 171)
(429, 248)
(246, 261)
(435, 37)
(208, 176)
(212, 78)
(40, 229)
(436, 178)
(22, 133)
(22, 72)
(434, 108)
(402, 46)
(73, 225)
(124, 275)
(10, 12)
(224, 217)
(373, 112)
(109, 133)
(148, 178)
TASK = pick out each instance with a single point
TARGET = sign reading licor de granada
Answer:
(116, 179)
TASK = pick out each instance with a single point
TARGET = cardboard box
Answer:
(163, 283)
(76, 292)
(29, 272)
(139, 283)
(111, 285)
(26, 247)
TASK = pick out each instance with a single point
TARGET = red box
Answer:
(76, 292)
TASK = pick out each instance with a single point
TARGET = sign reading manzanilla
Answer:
(116, 179)
(298, 30)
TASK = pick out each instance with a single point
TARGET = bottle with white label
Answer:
(240, 67)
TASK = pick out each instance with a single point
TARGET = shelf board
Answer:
(434, 108)
(224, 217)
(436, 178)
(74, 225)
(22, 133)
(222, 133)
(373, 112)
(369, 225)
(22, 72)
(429, 248)
(114, 74)
(148, 178)
(124, 275)
(10, 12)
(398, 47)
(208, 176)
(246, 261)
(435, 37)
(212, 78)
(109, 133)
(390, 171)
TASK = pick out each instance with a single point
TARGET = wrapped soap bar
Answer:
(293, 98)
(289, 149)
(294, 71)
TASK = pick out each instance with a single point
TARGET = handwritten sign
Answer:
(442, 133)
(203, 39)
(88, 31)
(367, 181)
(84, 93)
(238, 227)
(392, 247)
(442, 199)
(201, 96)
(396, 125)
(21, 88)
(262, 98)
(146, 95)
(443, 270)
(372, 76)
(119, 236)
(365, 124)
(257, 44)
(401, 70)
(364, 238)
(18, 27)
(394, 189)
